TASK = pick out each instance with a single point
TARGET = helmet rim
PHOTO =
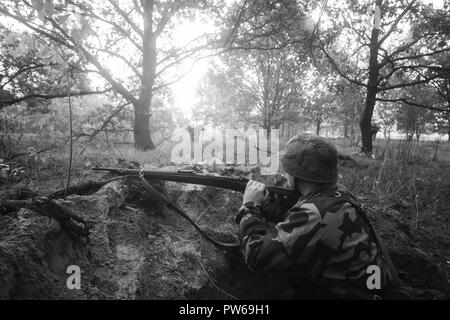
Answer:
(313, 159)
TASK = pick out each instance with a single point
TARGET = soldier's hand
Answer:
(255, 191)
(270, 207)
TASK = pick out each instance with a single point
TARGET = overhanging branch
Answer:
(415, 104)
(408, 84)
(395, 23)
(126, 17)
(92, 59)
(5, 103)
(339, 71)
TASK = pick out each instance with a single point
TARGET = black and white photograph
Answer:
(225, 154)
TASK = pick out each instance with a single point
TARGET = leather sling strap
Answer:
(151, 191)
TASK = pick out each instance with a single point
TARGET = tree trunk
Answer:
(142, 137)
(318, 123)
(409, 136)
(365, 122)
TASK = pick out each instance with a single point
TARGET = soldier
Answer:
(323, 245)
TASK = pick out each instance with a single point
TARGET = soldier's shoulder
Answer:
(330, 201)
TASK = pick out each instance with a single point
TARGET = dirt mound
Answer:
(130, 252)
(139, 250)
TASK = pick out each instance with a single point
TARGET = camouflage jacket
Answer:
(322, 240)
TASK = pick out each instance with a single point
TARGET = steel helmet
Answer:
(310, 158)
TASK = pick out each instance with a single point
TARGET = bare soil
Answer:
(137, 249)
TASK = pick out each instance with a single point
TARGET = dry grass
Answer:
(402, 177)
(405, 177)
(403, 174)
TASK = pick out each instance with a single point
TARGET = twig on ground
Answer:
(212, 281)
(198, 218)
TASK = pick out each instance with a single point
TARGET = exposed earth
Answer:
(138, 249)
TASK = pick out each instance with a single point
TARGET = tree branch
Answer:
(415, 104)
(395, 23)
(5, 103)
(421, 55)
(168, 12)
(137, 7)
(333, 63)
(408, 84)
(126, 17)
(25, 69)
(103, 71)
(159, 87)
(104, 124)
(124, 32)
(181, 57)
(127, 62)
(236, 24)
(388, 58)
(25, 22)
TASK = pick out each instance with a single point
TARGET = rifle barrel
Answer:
(236, 184)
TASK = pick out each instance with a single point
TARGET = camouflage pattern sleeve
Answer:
(271, 209)
(270, 247)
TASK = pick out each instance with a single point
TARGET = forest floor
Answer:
(137, 249)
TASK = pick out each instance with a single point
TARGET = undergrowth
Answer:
(403, 174)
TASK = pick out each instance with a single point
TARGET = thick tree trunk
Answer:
(365, 122)
(142, 137)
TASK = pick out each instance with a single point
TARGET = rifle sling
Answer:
(160, 198)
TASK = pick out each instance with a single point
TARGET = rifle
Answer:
(287, 198)
(283, 198)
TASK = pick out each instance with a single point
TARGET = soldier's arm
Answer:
(268, 246)
(270, 208)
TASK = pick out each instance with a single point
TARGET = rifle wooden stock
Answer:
(287, 197)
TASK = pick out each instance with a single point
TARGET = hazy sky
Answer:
(184, 91)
